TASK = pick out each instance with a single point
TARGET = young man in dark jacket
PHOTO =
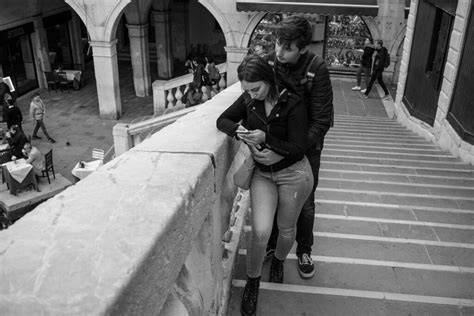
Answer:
(291, 61)
(365, 64)
(379, 65)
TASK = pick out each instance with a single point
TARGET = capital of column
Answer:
(161, 16)
(235, 54)
(137, 30)
(104, 49)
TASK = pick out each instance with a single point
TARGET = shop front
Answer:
(16, 58)
(59, 39)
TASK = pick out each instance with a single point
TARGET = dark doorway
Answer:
(430, 45)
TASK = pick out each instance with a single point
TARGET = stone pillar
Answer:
(163, 43)
(140, 55)
(107, 79)
(40, 50)
(235, 55)
(76, 41)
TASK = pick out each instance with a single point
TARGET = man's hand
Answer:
(266, 157)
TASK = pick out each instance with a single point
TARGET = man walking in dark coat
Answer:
(379, 65)
(365, 64)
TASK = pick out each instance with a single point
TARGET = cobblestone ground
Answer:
(72, 119)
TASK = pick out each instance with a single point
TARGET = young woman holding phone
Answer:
(271, 121)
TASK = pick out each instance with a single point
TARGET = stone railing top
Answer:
(115, 242)
(183, 80)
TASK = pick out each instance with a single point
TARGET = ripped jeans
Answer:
(286, 190)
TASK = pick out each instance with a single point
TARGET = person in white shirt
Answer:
(35, 158)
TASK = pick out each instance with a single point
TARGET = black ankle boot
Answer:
(250, 297)
(276, 270)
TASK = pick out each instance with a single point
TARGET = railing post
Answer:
(159, 97)
(122, 139)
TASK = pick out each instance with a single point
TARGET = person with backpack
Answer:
(381, 61)
(201, 76)
(302, 72)
(214, 74)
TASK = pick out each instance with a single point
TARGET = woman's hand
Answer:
(254, 137)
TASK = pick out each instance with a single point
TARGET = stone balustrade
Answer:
(168, 94)
(144, 235)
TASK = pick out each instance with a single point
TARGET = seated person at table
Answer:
(35, 158)
(16, 139)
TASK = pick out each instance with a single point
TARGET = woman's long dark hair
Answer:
(254, 68)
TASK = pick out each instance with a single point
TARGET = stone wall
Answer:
(141, 236)
(441, 133)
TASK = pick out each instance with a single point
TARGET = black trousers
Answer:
(376, 75)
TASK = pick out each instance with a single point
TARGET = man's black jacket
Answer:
(319, 99)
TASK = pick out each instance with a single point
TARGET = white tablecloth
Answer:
(89, 167)
(18, 169)
(72, 74)
(3, 146)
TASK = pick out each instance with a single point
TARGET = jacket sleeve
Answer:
(296, 145)
(32, 111)
(228, 121)
(320, 107)
(381, 56)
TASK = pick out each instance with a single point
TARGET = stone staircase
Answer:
(394, 230)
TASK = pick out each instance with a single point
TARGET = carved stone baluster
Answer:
(170, 99)
(179, 96)
(222, 83)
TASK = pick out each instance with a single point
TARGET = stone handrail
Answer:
(141, 236)
(168, 94)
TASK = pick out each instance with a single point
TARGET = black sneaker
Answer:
(250, 297)
(52, 141)
(36, 137)
(276, 270)
(305, 266)
(269, 253)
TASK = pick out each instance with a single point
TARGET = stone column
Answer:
(76, 41)
(235, 55)
(163, 43)
(140, 55)
(40, 50)
(107, 79)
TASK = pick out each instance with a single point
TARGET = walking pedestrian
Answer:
(274, 122)
(37, 113)
(365, 64)
(379, 65)
(299, 70)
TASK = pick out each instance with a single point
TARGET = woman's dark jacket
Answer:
(286, 127)
(367, 57)
(14, 116)
(16, 144)
(319, 100)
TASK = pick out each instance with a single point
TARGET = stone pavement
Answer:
(393, 226)
(72, 119)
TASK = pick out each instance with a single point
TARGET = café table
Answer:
(18, 174)
(81, 172)
(4, 146)
(72, 75)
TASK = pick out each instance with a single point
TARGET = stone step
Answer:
(390, 228)
(396, 169)
(385, 149)
(341, 139)
(405, 199)
(379, 144)
(281, 299)
(370, 131)
(356, 152)
(364, 125)
(377, 278)
(365, 119)
(396, 162)
(397, 178)
(396, 188)
(369, 135)
(395, 212)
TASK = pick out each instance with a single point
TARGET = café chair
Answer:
(63, 82)
(52, 80)
(98, 154)
(5, 155)
(48, 162)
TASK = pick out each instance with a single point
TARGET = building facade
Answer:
(434, 95)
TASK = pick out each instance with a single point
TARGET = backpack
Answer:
(387, 61)
(214, 73)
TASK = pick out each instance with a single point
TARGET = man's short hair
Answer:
(380, 42)
(295, 28)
